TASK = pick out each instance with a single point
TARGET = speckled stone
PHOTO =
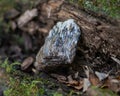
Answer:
(60, 45)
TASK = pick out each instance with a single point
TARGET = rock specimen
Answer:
(60, 45)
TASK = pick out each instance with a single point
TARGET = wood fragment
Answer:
(26, 17)
(116, 60)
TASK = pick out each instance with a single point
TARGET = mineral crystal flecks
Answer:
(60, 45)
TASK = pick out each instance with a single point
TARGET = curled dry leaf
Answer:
(71, 81)
(26, 63)
(86, 84)
(79, 86)
(74, 83)
(91, 76)
(112, 84)
(94, 79)
(101, 76)
(60, 78)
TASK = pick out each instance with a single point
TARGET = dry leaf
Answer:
(87, 71)
(71, 81)
(101, 76)
(60, 78)
(76, 84)
(80, 85)
(94, 79)
(112, 84)
(26, 63)
(86, 84)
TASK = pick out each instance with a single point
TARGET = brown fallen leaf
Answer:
(71, 81)
(94, 79)
(80, 85)
(60, 78)
(113, 84)
(26, 63)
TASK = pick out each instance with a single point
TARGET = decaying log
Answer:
(100, 35)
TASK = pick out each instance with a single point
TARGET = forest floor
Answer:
(95, 70)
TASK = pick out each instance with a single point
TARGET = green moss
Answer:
(110, 7)
(23, 84)
(19, 83)
(57, 94)
(21, 88)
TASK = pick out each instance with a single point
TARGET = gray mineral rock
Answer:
(60, 45)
